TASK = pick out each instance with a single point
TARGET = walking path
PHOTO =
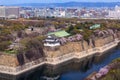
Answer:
(54, 61)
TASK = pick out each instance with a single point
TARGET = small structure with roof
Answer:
(51, 41)
(95, 26)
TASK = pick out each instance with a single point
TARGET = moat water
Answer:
(73, 71)
(80, 75)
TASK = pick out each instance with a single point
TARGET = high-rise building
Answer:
(2, 12)
(9, 12)
(115, 13)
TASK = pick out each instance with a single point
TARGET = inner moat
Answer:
(73, 69)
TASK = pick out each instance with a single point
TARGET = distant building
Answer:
(9, 12)
(2, 12)
(115, 13)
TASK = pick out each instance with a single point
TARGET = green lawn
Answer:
(10, 51)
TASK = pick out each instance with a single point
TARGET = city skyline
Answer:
(3, 2)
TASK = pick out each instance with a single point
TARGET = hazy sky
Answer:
(50, 1)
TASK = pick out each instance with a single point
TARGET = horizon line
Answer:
(63, 2)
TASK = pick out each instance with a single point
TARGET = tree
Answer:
(33, 48)
(70, 29)
(4, 45)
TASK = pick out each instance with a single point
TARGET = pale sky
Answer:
(2, 2)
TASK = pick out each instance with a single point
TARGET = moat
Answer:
(70, 67)
(72, 70)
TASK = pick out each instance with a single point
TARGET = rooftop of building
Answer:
(95, 26)
(61, 33)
